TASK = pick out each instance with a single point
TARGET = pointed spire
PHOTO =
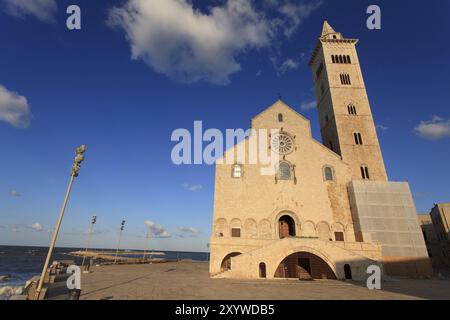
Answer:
(327, 29)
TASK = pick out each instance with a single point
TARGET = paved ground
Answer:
(190, 281)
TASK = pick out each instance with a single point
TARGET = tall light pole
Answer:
(122, 226)
(146, 244)
(91, 229)
(79, 157)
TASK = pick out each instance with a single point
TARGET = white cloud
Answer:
(305, 106)
(156, 230)
(37, 226)
(382, 128)
(43, 10)
(435, 129)
(190, 230)
(288, 64)
(188, 45)
(193, 187)
(14, 108)
(15, 193)
(294, 14)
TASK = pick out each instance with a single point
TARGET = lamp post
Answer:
(91, 229)
(79, 157)
(122, 226)
(146, 244)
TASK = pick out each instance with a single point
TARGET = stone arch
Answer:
(250, 229)
(308, 229)
(235, 224)
(285, 213)
(265, 230)
(350, 232)
(338, 229)
(324, 231)
(220, 228)
(282, 256)
(226, 261)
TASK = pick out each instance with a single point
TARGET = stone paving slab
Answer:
(191, 281)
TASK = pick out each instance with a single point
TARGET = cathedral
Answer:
(329, 211)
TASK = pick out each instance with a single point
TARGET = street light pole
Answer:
(146, 245)
(91, 229)
(122, 226)
(79, 157)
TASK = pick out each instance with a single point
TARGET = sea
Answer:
(18, 264)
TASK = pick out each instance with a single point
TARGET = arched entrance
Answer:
(286, 227)
(348, 272)
(304, 265)
(226, 262)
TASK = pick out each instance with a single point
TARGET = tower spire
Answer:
(327, 29)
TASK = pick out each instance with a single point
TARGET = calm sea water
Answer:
(19, 264)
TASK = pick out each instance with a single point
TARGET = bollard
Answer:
(74, 294)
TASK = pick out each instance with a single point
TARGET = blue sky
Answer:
(61, 88)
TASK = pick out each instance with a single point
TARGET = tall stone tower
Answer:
(346, 121)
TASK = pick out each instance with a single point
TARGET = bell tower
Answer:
(345, 116)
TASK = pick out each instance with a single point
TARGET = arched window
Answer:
(237, 171)
(341, 60)
(280, 117)
(365, 172)
(348, 79)
(358, 138)
(328, 173)
(262, 270)
(348, 60)
(333, 59)
(284, 171)
(345, 59)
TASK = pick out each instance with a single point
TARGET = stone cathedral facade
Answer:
(329, 211)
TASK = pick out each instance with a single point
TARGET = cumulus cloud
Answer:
(305, 106)
(156, 230)
(43, 10)
(187, 232)
(435, 129)
(37, 227)
(15, 193)
(185, 44)
(192, 187)
(14, 108)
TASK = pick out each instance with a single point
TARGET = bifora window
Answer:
(365, 172)
(237, 171)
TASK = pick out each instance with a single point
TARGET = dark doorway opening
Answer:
(348, 272)
(226, 262)
(262, 270)
(286, 227)
(304, 265)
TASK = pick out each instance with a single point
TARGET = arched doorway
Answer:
(286, 227)
(262, 270)
(226, 262)
(304, 265)
(348, 272)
